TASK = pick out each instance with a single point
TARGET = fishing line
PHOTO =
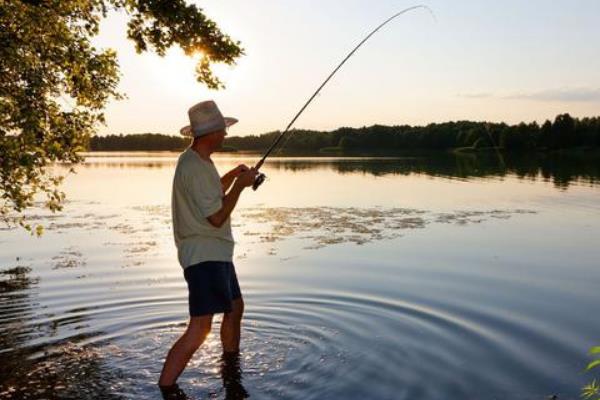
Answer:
(260, 178)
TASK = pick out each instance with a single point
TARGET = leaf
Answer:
(593, 364)
(590, 391)
(39, 230)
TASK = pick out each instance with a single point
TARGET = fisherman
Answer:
(201, 206)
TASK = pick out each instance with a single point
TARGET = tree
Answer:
(563, 130)
(348, 143)
(54, 85)
(545, 137)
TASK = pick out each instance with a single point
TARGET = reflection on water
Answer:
(561, 169)
(17, 292)
(50, 369)
(231, 374)
(390, 278)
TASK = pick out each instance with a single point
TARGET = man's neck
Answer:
(202, 151)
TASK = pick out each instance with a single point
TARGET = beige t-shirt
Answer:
(197, 194)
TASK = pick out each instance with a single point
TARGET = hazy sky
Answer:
(482, 60)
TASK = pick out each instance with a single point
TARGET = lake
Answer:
(440, 277)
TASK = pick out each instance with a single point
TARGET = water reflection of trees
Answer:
(562, 170)
(33, 366)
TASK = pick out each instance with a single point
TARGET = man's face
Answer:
(219, 138)
(215, 139)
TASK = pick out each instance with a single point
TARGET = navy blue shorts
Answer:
(212, 286)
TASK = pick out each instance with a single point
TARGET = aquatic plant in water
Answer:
(591, 391)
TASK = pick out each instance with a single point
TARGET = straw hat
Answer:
(205, 118)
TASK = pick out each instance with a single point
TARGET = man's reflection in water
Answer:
(231, 373)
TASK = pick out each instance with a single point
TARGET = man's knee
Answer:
(195, 341)
(198, 329)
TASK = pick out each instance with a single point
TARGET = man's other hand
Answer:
(246, 178)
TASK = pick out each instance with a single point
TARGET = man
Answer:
(201, 206)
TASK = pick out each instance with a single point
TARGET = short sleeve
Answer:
(205, 190)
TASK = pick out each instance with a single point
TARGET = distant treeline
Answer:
(144, 141)
(564, 132)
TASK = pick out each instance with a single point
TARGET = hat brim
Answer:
(230, 121)
(187, 130)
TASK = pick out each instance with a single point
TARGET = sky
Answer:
(479, 60)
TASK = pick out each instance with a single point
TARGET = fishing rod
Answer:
(260, 178)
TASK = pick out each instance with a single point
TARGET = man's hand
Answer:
(246, 178)
(239, 169)
(228, 178)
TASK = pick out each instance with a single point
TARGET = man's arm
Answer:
(227, 180)
(243, 180)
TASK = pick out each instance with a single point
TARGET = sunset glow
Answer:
(481, 61)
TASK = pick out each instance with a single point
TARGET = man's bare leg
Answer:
(231, 326)
(197, 330)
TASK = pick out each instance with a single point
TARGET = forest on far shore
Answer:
(563, 133)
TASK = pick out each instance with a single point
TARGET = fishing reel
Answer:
(260, 178)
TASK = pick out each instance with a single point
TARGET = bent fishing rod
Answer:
(260, 178)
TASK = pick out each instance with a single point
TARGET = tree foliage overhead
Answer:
(54, 85)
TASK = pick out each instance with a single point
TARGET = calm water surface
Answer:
(364, 278)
